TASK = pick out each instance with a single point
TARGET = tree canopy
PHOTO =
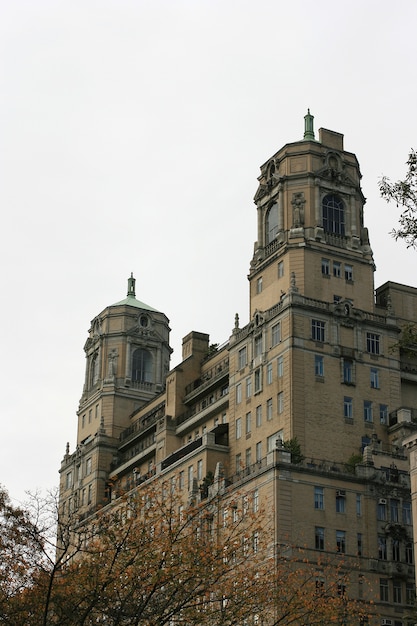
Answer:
(404, 194)
(149, 560)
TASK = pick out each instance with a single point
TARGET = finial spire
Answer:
(131, 286)
(308, 127)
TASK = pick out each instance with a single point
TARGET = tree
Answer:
(404, 194)
(150, 560)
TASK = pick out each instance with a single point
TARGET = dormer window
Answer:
(333, 215)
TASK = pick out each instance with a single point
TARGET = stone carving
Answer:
(298, 202)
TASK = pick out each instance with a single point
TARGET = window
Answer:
(276, 334)
(280, 269)
(333, 215)
(199, 470)
(88, 466)
(259, 285)
(319, 365)
(358, 504)
(347, 408)
(410, 593)
(90, 494)
(374, 378)
(83, 421)
(258, 380)
(190, 477)
(280, 367)
(258, 345)
(271, 442)
(395, 550)
(238, 428)
(337, 269)
(394, 510)
(383, 414)
(255, 541)
(249, 387)
(347, 371)
(359, 544)
(317, 330)
(341, 541)
(238, 393)
(142, 366)
(367, 411)
(181, 482)
(68, 480)
(348, 272)
(238, 462)
(269, 374)
(325, 267)
(373, 343)
(319, 498)
(382, 548)
(242, 358)
(258, 451)
(248, 457)
(248, 422)
(381, 511)
(90, 415)
(396, 591)
(258, 416)
(407, 512)
(383, 590)
(340, 502)
(319, 538)
(97, 410)
(269, 409)
(280, 399)
(272, 223)
(256, 501)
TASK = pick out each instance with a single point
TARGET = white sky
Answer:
(131, 135)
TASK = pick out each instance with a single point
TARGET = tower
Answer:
(127, 359)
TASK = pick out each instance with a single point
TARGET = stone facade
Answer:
(319, 367)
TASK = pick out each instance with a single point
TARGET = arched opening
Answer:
(142, 366)
(272, 223)
(333, 215)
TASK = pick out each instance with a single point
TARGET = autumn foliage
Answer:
(150, 560)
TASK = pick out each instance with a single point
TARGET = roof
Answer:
(130, 299)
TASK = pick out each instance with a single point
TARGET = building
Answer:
(319, 369)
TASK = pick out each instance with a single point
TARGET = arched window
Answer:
(272, 223)
(142, 366)
(94, 369)
(333, 215)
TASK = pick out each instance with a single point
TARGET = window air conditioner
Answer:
(386, 622)
(382, 501)
(340, 492)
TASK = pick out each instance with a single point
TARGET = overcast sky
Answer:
(131, 135)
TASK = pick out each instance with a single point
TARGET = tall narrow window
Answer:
(280, 366)
(242, 358)
(238, 424)
(272, 223)
(340, 501)
(383, 414)
(347, 371)
(269, 374)
(258, 416)
(280, 402)
(318, 498)
(276, 334)
(341, 541)
(373, 343)
(258, 345)
(142, 366)
(333, 215)
(319, 365)
(248, 422)
(367, 411)
(374, 378)
(269, 409)
(347, 408)
(319, 538)
(325, 267)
